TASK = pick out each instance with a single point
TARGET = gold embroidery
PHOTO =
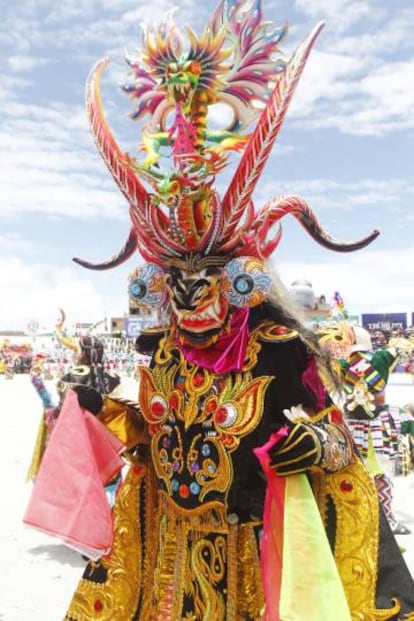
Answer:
(250, 588)
(196, 419)
(116, 598)
(355, 500)
(207, 570)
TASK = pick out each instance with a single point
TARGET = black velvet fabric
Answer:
(284, 362)
(89, 399)
(394, 579)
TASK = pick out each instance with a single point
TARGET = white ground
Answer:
(37, 574)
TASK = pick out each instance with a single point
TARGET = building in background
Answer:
(315, 308)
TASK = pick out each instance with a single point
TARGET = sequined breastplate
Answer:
(196, 420)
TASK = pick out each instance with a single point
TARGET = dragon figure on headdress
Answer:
(228, 64)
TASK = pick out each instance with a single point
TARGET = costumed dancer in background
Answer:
(217, 521)
(374, 427)
(99, 391)
(47, 420)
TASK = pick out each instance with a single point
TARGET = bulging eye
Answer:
(137, 289)
(147, 287)
(243, 284)
(195, 67)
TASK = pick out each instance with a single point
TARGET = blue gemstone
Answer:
(194, 488)
(205, 450)
(175, 485)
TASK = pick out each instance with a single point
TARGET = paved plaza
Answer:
(37, 574)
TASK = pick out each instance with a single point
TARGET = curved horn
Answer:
(63, 339)
(263, 137)
(276, 209)
(118, 164)
(126, 251)
(114, 158)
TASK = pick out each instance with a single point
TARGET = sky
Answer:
(346, 146)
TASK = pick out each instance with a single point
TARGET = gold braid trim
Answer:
(357, 537)
(250, 588)
(39, 449)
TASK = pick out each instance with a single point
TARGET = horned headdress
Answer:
(174, 80)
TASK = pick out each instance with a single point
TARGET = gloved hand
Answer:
(88, 398)
(297, 452)
(326, 447)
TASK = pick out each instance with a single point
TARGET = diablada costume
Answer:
(216, 520)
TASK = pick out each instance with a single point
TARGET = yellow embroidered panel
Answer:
(112, 587)
(354, 497)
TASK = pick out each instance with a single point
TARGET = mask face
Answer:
(198, 304)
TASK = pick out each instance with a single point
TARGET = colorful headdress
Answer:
(183, 222)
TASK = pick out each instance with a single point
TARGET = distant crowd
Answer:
(119, 357)
(402, 341)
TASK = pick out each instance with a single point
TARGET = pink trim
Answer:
(312, 381)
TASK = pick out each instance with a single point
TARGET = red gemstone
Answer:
(281, 330)
(221, 415)
(211, 406)
(184, 491)
(157, 408)
(336, 417)
(98, 605)
(198, 379)
(173, 402)
(346, 486)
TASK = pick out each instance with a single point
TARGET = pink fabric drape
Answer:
(68, 500)
(228, 352)
(271, 544)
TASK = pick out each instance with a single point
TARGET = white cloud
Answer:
(342, 13)
(368, 280)
(8, 87)
(22, 63)
(48, 164)
(356, 96)
(14, 242)
(35, 291)
(322, 193)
